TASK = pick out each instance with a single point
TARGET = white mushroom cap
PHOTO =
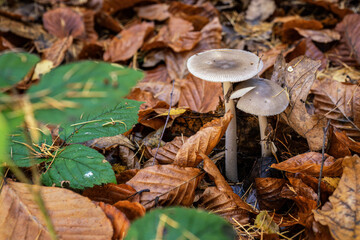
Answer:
(265, 99)
(224, 65)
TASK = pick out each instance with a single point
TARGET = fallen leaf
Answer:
(199, 95)
(112, 6)
(344, 139)
(268, 193)
(322, 36)
(203, 141)
(339, 103)
(260, 10)
(265, 222)
(64, 22)
(118, 220)
(298, 77)
(167, 185)
(162, 91)
(132, 210)
(341, 210)
(67, 209)
(167, 153)
(288, 32)
(56, 53)
(111, 193)
(157, 12)
(125, 45)
(310, 163)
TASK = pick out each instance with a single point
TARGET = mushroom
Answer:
(261, 97)
(226, 66)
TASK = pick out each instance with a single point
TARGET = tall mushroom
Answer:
(261, 97)
(226, 66)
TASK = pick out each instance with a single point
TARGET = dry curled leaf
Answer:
(132, 210)
(167, 153)
(322, 36)
(221, 199)
(199, 95)
(111, 193)
(310, 163)
(178, 35)
(345, 140)
(268, 193)
(297, 77)
(64, 22)
(154, 12)
(21, 217)
(56, 53)
(118, 220)
(203, 141)
(339, 102)
(167, 185)
(341, 212)
(124, 46)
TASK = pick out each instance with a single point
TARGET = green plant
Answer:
(84, 98)
(180, 223)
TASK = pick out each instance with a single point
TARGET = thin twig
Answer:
(322, 161)
(166, 122)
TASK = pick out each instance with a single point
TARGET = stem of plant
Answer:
(230, 139)
(265, 148)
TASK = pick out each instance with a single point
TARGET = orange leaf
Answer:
(111, 193)
(310, 163)
(167, 153)
(202, 142)
(132, 210)
(268, 193)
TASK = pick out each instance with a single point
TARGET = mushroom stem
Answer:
(230, 139)
(265, 147)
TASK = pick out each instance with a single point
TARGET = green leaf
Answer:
(4, 131)
(80, 88)
(107, 124)
(80, 167)
(180, 223)
(15, 66)
(24, 153)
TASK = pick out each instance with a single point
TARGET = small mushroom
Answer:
(226, 66)
(261, 97)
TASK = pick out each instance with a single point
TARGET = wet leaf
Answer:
(168, 185)
(341, 210)
(310, 163)
(203, 141)
(66, 209)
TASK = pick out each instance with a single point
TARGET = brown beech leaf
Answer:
(269, 57)
(301, 189)
(64, 22)
(162, 90)
(126, 175)
(350, 29)
(132, 210)
(124, 46)
(129, 158)
(297, 77)
(210, 39)
(341, 212)
(351, 144)
(289, 33)
(268, 192)
(111, 193)
(221, 199)
(310, 163)
(147, 117)
(199, 95)
(105, 20)
(107, 143)
(154, 12)
(338, 148)
(339, 102)
(147, 97)
(118, 220)
(332, 6)
(167, 153)
(57, 51)
(203, 141)
(168, 185)
(5, 44)
(322, 36)
(186, 11)
(112, 6)
(178, 34)
(21, 217)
